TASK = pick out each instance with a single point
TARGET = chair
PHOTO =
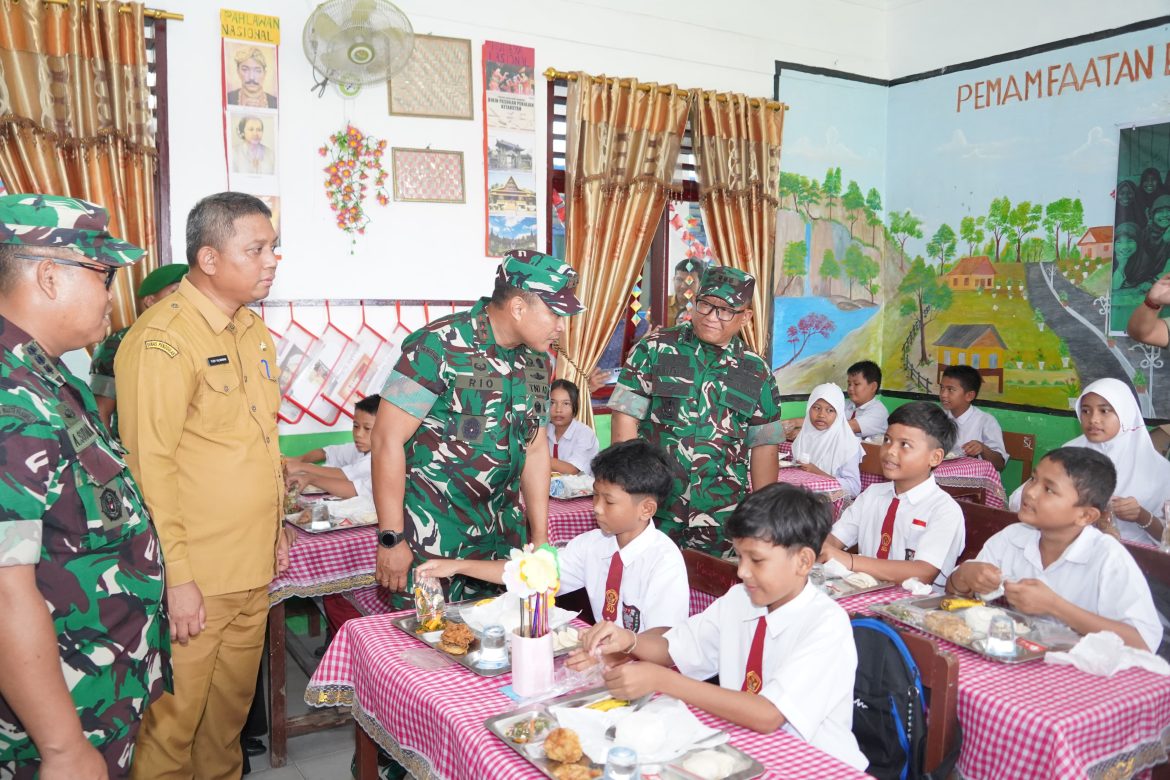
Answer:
(709, 576)
(973, 495)
(982, 522)
(1021, 447)
(939, 670)
(871, 460)
(1154, 563)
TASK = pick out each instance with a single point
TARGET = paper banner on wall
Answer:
(251, 102)
(509, 113)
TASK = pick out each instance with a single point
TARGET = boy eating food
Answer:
(346, 471)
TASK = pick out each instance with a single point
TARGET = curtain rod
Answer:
(153, 13)
(553, 73)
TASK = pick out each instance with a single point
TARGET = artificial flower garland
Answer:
(354, 159)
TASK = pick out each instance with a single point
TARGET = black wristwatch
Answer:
(390, 538)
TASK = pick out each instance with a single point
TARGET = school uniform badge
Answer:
(631, 618)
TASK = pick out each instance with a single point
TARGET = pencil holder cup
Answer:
(532, 664)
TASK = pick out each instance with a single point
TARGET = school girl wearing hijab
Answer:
(1112, 424)
(826, 445)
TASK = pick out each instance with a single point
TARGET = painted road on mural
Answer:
(1087, 344)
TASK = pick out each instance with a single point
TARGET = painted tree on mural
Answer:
(997, 222)
(1067, 215)
(830, 270)
(853, 201)
(941, 246)
(923, 295)
(832, 187)
(794, 261)
(805, 192)
(1022, 220)
(873, 208)
(859, 268)
(971, 231)
(904, 226)
(806, 327)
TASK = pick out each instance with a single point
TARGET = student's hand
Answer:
(1126, 508)
(812, 469)
(608, 636)
(80, 760)
(294, 468)
(579, 660)
(439, 568)
(831, 553)
(981, 577)
(629, 681)
(1032, 597)
(392, 565)
(1160, 292)
(973, 449)
(185, 607)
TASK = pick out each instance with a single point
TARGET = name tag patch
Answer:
(161, 346)
(218, 360)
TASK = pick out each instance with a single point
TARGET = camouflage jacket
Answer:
(69, 507)
(707, 406)
(481, 405)
(101, 371)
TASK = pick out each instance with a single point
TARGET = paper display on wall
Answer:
(510, 139)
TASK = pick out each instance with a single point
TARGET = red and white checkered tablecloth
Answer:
(1037, 721)
(826, 486)
(343, 560)
(963, 473)
(433, 720)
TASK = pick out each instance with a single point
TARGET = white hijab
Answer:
(833, 447)
(1141, 472)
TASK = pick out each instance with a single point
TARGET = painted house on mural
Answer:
(971, 273)
(1097, 243)
(978, 346)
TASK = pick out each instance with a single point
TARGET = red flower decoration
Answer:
(354, 157)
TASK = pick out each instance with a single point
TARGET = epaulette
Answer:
(162, 316)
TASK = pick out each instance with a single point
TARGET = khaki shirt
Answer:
(197, 402)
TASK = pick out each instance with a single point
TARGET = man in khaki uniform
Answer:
(197, 402)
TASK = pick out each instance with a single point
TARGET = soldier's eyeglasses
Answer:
(108, 271)
(723, 313)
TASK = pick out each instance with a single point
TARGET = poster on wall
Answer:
(251, 101)
(509, 141)
(1141, 225)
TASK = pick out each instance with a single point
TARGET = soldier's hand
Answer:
(78, 761)
(185, 606)
(393, 565)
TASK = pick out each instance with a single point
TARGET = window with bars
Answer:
(664, 294)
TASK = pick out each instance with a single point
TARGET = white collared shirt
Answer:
(872, 417)
(1095, 572)
(977, 425)
(354, 464)
(809, 662)
(654, 593)
(928, 525)
(578, 446)
(849, 475)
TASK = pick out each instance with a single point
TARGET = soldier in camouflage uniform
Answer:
(699, 393)
(462, 424)
(83, 637)
(157, 285)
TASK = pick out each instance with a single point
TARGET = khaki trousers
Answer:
(194, 734)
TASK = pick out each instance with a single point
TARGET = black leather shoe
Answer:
(254, 746)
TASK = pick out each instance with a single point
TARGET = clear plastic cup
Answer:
(621, 763)
(1001, 637)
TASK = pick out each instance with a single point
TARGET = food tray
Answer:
(836, 588)
(1027, 649)
(409, 624)
(309, 530)
(746, 767)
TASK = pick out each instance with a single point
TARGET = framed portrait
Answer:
(428, 176)
(436, 81)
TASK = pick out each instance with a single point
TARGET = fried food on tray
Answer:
(952, 603)
(456, 638)
(563, 745)
(574, 772)
(949, 626)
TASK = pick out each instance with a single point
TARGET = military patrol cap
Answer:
(548, 277)
(728, 284)
(66, 223)
(161, 277)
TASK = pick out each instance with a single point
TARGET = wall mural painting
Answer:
(983, 231)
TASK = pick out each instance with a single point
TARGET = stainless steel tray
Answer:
(470, 660)
(836, 588)
(903, 612)
(746, 766)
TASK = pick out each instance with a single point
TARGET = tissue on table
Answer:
(1104, 654)
(917, 587)
(505, 611)
(358, 509)
(834, 569)
(681, 732)
(571, 486)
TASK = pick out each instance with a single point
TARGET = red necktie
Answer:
(753, 676)
(556, 449)
(853, 416)
(888, 531)
(613, 584)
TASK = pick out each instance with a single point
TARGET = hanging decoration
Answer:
(355, 165)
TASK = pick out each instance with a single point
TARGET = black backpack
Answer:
(889, 717)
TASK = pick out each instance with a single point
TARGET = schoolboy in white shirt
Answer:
(864, 411)
(909, 526)
(979, 434)
(346, 469)
(1057, 562)
(633, 573)
(783, 650)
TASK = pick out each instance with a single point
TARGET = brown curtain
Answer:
(737, 151)
(75, 117)
(623, 143)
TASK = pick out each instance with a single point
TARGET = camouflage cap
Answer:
(66, 223)
(548, 277)
(728, 284)
(161, 277)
